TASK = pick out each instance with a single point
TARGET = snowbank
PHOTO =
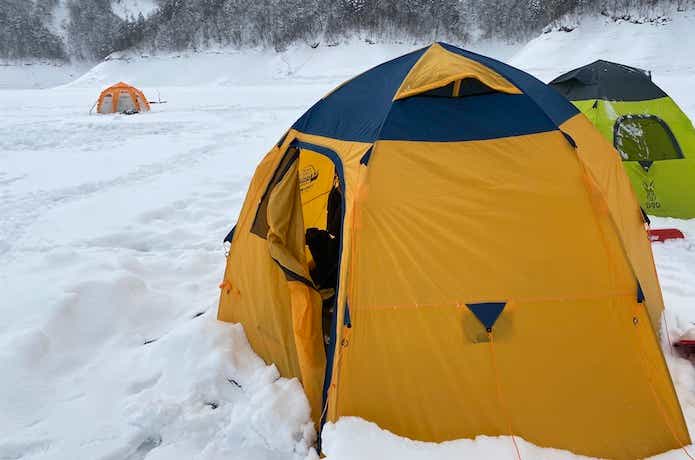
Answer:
(221, 66)
(662, 47)
(666, 49)
(324, 65)
(353, 438)
(33, 74)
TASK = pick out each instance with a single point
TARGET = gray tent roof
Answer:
(608, 81)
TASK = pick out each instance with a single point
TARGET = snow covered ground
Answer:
(38, 73)
(110, 257)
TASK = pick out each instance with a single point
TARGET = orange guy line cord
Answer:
(500, 401)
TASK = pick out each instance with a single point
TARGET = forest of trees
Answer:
(93, 31)
(23, 30)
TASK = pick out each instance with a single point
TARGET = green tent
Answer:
(652, 134)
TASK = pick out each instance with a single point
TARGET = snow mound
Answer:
(352, 438)
(648, 46)
(197, 391)
(229, 67)
(32, 74)
(664, 48)
(324, 65)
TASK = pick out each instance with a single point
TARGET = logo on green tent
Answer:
(652, 201)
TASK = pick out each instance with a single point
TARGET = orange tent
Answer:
(122, 98)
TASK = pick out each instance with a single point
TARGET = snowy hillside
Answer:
(36, 74)
(648, 45)
(110, 253)
(325, 65)
(666, 48)
(221, 66)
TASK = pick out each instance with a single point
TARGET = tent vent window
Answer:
(461, 88)
(645, 138)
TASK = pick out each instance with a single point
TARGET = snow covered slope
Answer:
(110, 257)
(667, 49)
(223, 67)
(325, 65)
(38, 74)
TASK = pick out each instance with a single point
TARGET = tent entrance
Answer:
(301, 217)
(321, 192)
(322, 189)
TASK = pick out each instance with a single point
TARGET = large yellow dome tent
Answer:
(122, 98)
(494, 271)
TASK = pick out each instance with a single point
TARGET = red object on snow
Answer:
(663, 234)
(686, 346)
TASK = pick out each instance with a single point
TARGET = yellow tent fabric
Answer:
(495, 275)
(439, 67)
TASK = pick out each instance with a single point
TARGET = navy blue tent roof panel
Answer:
(553, 104)
(487, 312)
(356, 110)
(441, 119)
